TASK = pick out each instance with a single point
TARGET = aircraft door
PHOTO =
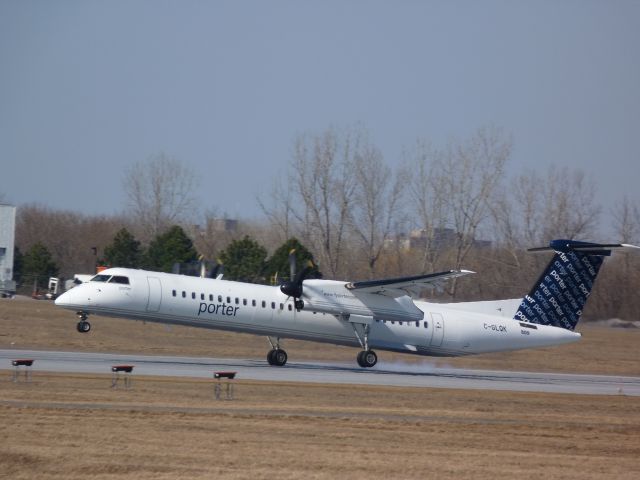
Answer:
(437, 325)
(155, 294)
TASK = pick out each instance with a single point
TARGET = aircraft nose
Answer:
(67, 299)
(62, 300)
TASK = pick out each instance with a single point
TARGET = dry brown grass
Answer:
(63, 426)
(76, 427)
(26, 323)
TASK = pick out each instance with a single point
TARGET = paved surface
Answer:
(385, 373)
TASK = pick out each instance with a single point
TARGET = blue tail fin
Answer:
(561, 292)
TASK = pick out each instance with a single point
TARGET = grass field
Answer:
(76, 426)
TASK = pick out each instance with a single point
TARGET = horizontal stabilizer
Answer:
(589, 248)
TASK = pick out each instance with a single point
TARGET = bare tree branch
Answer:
(160, 193)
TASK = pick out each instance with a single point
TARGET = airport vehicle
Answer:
(379, 314)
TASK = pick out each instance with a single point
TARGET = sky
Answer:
(88, 88)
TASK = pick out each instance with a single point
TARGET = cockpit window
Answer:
(119, 279)
(111, 279)
(100, 278)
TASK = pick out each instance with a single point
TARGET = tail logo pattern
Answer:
(561, 292)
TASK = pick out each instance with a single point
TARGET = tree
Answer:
(278, 265)
(74, 240)
(453, 190)
(124, 251)
(169, 248)
(244, 260)
(427, 196)
(626, 218)
(470, 173)
(539, 208)
(38, 264)
(377, 196)
(324, 181)
(280, 211)
(160, 193)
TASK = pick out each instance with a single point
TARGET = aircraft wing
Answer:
(399, 287)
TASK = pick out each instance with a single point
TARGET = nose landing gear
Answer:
(83, 326)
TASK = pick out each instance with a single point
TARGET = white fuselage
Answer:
(443, 330)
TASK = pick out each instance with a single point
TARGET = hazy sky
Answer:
(88, 88)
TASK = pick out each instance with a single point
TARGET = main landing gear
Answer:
(83, 326)
(276, 356)
(367, 358)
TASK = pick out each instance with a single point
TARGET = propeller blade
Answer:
(292, 264)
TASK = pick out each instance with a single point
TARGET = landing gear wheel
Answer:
(277, 357)
(367, 358)
(83, 326)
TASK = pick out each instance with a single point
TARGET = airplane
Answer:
(384, 315)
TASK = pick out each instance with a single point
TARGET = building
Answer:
(7, 244)
(223, 224)
(440, 239)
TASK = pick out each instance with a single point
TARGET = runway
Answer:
(383, 374)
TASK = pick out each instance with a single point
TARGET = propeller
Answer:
(293, 286)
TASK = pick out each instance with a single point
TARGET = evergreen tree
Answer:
(124, 251)
(278, 264)
(244, 260)
(169, 248)
(37, 262)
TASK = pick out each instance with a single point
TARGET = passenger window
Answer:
(237, 301)
(184, 294)
(264, 304)
(193, 295)
(210, 298)
(253, 303)
(228, 299)
(426, 325)
(202, 296)
(282, 306)
(290, 307)
(244, 301)
(273, 305)
(417, 324)
(174, 293)
(220, 298)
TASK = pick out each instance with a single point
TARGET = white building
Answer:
(7, 241)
